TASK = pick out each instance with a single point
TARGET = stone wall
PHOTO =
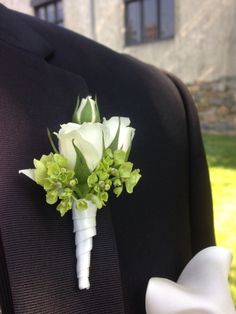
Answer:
(19, 5)
(216, 104)
(203, 48)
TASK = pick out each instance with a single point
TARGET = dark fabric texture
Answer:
(157, 229)
(201, 219)
(6, 304)
(39, 245)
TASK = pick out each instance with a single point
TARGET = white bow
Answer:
(202, 287)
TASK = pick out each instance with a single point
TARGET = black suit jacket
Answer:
(153, 232)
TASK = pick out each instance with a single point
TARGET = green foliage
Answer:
(81, 168)
(221, 157)
(98, 117)
(58, 181)
(113, 172)
(119, 157)
(68, 186)
(81, 204)
(132, 180)
(51, 142)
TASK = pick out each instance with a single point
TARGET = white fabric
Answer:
(85, 229)
(202, 287)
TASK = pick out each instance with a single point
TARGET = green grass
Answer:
(221, 157)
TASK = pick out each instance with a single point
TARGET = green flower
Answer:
(81, 204)
(119, 157)
(133, 179)
(51, 197)
(112, 172)
(58, 181)
(92, 179)
(62, 186)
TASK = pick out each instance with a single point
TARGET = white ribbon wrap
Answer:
(85, 229)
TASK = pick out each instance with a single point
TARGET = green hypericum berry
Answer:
(102, 175)
(81, 204)
(73, 182)
(117, 191)
(104, 196)
(97, 201)
(66, 194)
(48, 184)
(119, 157)
(114, 172)
(40, 172)
(92, 179)
(109, 153)
(97, 188)
(53, 169)
(60, 160)
(109, 182)
(117, 182)
(125, 169)
(132, 180)
(51, 197)
(60, 183)
(107, 187)
(101, 184)
(108, 162)
(52, 174)
(64, 206)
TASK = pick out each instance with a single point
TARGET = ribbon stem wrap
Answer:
(85, 229)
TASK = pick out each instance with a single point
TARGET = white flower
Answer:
(91, 138)
(88, 137)
(126, 133)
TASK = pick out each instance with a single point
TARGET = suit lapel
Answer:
(38, 244)
(16, 32)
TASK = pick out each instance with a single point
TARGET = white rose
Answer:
(126, 132)
(88, 137)
(86, 111)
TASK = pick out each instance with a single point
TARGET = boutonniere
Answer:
(90, 162)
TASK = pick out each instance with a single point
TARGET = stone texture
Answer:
(216, 104)
(202, 52)
(203, 48)
(21, 6)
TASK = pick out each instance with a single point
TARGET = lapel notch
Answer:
(17, 33)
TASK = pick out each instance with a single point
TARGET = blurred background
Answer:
(195, 40)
